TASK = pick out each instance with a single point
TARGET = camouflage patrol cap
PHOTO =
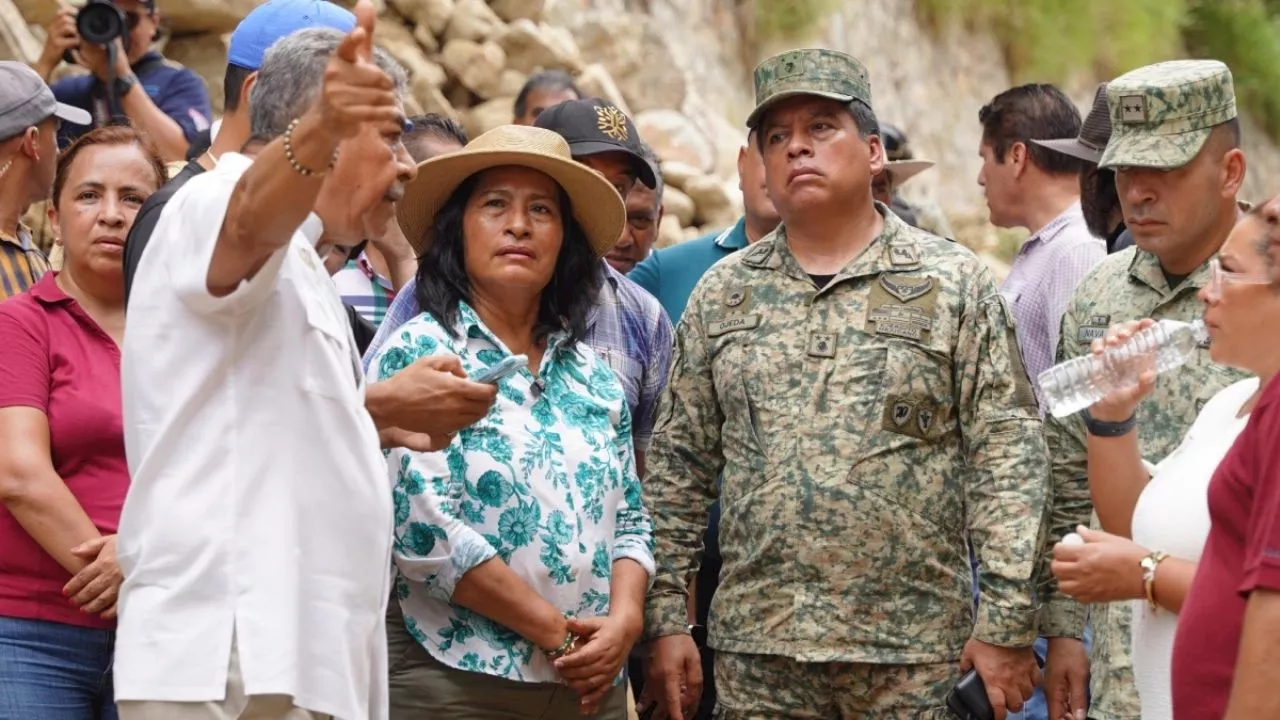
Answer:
(824, 73)
(1162, 114)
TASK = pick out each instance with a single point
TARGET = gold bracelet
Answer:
(1149, 565)
(297, 166)
(566, 648)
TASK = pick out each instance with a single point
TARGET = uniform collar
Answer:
(1145, 268)
(895, 249)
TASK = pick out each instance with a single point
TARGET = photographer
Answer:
(167, 101)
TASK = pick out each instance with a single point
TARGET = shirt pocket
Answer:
(629, 372)
(908, 456)
(331, 364)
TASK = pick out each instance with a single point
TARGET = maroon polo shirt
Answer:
(54, 358)
(1241, 555)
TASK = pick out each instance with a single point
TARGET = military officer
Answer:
(858, 382)
(1174, 148)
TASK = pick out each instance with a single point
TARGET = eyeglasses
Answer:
(1219, 277)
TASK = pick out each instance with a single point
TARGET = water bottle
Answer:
(1076, 384)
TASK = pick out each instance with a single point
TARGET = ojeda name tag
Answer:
(732, 323)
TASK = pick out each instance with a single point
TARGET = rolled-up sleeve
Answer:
(432, 543)
(1007, 487)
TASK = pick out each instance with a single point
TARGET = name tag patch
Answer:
(903, 306)
(1095, 329)
(732, 324)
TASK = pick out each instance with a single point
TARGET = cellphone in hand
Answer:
(968, 699)
(502, 369)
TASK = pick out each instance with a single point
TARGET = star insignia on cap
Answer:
(611, 122)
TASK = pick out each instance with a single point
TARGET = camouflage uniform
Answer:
(1161, 116)
(862, 431)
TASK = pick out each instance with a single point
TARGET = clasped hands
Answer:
(598, 657)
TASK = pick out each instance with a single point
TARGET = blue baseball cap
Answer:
(276, 19)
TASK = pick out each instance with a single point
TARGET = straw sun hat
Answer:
(901, 171)
(596, 205)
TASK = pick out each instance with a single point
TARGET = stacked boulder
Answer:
(468, 59)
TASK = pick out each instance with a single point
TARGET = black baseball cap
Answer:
(594, 126)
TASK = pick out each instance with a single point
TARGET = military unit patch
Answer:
(905, 288)
(912, 416)
(822, 345)
(902, 306)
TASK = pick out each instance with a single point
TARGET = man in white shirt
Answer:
(255, 539)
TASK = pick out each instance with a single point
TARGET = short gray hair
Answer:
(292, 74)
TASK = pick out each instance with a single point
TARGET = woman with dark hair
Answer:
(522, 551)
(63, 474)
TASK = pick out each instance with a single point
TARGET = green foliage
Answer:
(787, 19)
(1054, 40)
(1246, 36)
(1049, 40)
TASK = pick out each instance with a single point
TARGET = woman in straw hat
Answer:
(522, 550)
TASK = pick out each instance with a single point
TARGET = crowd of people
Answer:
(353, 416)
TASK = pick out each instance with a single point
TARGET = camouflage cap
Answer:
(824, 73)
(1162, 114)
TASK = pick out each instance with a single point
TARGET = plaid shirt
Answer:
(21, 263)
(627, 327)
(364, 289)
(1045, 273)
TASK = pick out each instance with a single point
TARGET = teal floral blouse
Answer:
(546, 482)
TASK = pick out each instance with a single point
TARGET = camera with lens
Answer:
(100, 22)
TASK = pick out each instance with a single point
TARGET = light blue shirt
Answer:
(546, 482)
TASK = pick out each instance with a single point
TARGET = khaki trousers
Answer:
(423, 688)
(236, 706)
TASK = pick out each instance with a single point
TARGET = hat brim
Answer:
(73, 115)
(1161, 152)
(596, 205)
(754, 118)
(645, 172)
(1072, 147)
(901, 171)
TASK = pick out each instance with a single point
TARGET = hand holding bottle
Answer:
(1120, 404)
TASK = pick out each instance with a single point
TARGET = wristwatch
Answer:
(1149, 565)
(1102, 428)
(125, 84)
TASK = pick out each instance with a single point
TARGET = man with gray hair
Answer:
(256, 536)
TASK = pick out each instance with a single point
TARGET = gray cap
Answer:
(25, 100)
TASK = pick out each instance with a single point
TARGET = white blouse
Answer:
(1172, 515)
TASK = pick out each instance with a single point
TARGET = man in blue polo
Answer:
(670, 274)
(165, 99)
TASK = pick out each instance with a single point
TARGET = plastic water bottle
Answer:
(1076, 384)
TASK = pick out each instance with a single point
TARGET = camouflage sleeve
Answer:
(1006, 483)
(682, 465)
(1060, 616)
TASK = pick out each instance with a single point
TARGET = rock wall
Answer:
(682, 69)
